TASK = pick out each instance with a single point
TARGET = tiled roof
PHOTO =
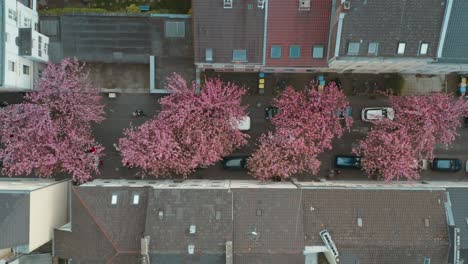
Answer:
(393, 223)
(183, 208)
(289, 26)
(266, 224)
(459, 202)
(268, 221)
(456, 40)
(225, 30)
(14, 219)
(390, 22)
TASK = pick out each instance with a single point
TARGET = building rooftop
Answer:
(24, 184)
(456, 38)
(389, 23)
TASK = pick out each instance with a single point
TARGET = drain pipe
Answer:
(332, 18)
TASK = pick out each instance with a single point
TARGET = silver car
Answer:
(377, 113)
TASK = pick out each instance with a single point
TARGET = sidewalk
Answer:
(419, 85)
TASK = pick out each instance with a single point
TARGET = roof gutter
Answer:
(265, 27)
(338, 34)
(2, 47)
(332, 18)
(443, 32)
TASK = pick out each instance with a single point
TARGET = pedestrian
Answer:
(116, 147)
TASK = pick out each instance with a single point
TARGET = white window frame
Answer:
(11, 66)
(227, 4)
(208, 54)
(136, 199)
(423, 48)
(374, 50)
(26, 22)
(353, 44)
(401, 48)
(26, 67)
(12, 14)
(317, 48)
(115, 199)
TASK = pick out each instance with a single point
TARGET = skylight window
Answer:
(401, 48)
(114, 199)
(136, 199)
(423, 49)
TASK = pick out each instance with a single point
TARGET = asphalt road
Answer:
(119, 116)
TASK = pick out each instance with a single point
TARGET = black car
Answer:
(271, 111)
(451, 165)
(235, 162)
(347, 161)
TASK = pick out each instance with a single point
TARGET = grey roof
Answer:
(275, 217)
(389, 22)
(115, 38)
(393, 223)
(183, 208)
(456, 39)
(225, 30)
(14, 219)
(459, 201)
(266, 225)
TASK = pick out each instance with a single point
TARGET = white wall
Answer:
(48, 210)
(25, 18)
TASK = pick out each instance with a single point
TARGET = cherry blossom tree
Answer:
(309, 120)
(388, 152)
(430, 119)
(393, 149)
(51, 132)
(194, 129)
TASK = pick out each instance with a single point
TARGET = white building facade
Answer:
(23, 50)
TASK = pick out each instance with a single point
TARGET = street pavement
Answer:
(119, 116)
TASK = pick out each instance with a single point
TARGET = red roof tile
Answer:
(289, 26)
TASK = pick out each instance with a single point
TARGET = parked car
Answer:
(377, 113)
(243, 124)
(271, 111)
(235, 162)
(348, 161)
(452, 165)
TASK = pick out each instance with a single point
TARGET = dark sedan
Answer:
(451, 165)
(271, 111)
(348, 161)
(235, 162)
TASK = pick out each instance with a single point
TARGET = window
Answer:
(275, 52)
(227, 3)
(11, 66)
(114, 199)
(25, 69)
(427, 261)
(209, 54)
(373, 48)
(12, 14)
(423, 49)
(294, 51)
(353, 48)
(401, 48)
(250, 6)
(27, 22)
(175, 29)
(239, 55)
(317, 52)
(136, 199)
(46, 48)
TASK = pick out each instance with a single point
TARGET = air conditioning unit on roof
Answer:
(347, 5)
(304, 5)
(227, 3)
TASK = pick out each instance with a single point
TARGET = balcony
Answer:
(33, 45)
